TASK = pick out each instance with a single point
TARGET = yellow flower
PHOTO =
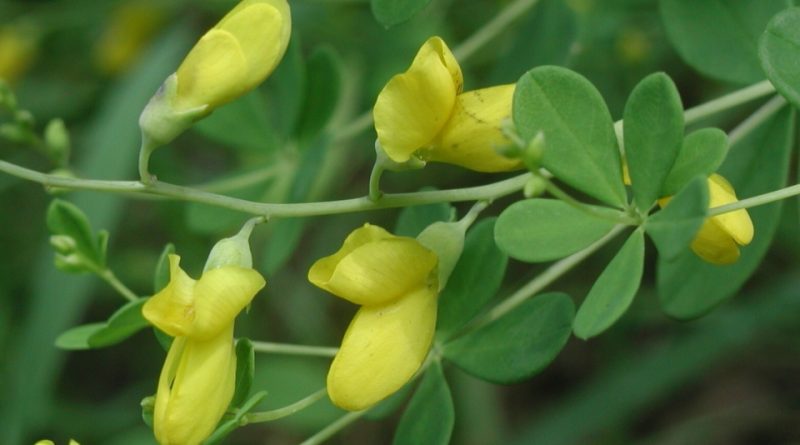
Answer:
(198, 378)
(131, 27)
(230, 59)
(422, 112)
(395, 280)
(720, 236)
(17, 51)
(50, 442)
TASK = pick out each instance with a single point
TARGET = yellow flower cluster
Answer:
(199, 375)
(422, 112)
(395, 281)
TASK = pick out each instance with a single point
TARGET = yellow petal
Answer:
(472, 135)
(262, 29)
(714, 245)
(220, 294)
(374, 267)
(382, 349)
(215, 72)
(172, 309)
(736, 224)
(195, 388)
(414, 106)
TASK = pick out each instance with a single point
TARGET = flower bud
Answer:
(229, 60)
(535, 187)
(64, 244)
(56, 137)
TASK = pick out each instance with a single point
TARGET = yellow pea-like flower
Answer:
(18, 50)
(395, 280)
(202, 308)
(50, 442)
(195, 388)
(230, 59)
(422, 112)
(720, 236)
(131, 27)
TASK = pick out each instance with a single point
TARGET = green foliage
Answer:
(322, 92)
(122, 324)
(581, 145)
(653, 136)
(78, 250)
(517, 345)
(475, 280)
(613, 291)
(430, 415)
(719, 37)
(689, 287)
(243, 125)
(393, 12)
(674, 227)
(779, 50)
(245, 371)
(534, 230)
(701, 153)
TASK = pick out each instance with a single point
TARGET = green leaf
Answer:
(613, 292)
(673, 228)
(161, 274)
(245, 371)
(77, 338)
(64, 218)
(393, 12)
(286, 87)
(123, 323)
(413, 220)
(779, 49)
(430, 415)
(580, 142)
(474, 281)
(688, 287)
(702, 152)
(719, 37)
(537, 230)
(653, 121)
(226, 427)
(322, 92)
(518, 344)
(242, 124)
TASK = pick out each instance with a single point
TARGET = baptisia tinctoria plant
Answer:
(198, 379)
(396, 281)
(230, 59)
(422, 114)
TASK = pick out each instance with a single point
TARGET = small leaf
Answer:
(430, 415)
(125, 322)
(653, 121)
(518, 344)
(581, 144)
(64, 218)
(719, 37)
(394, 12)
(161, 275)
(702, 152)
(673, 228)
(779, 50)
(537, 230)
(474, 281)
(77, 338)
(613, 292)
(322, 92)
(245, 370)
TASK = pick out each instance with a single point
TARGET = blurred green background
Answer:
(728, 378)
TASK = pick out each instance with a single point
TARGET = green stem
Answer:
(328, 432)
(375, 181)
(472, 215)
(290, 349)
(145, 151)
(736, 98)
(546, 278)
(108, 276)
(493, 28)
(275, 414)
(756, 119)
(755, 201)
(136, 188)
